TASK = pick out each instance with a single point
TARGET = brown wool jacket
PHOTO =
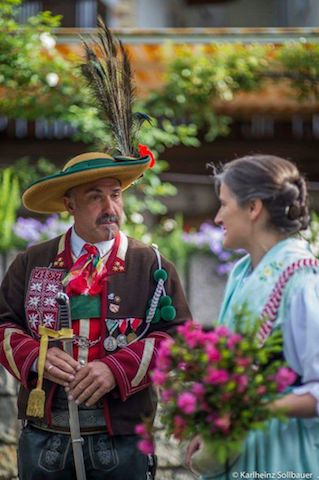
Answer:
(133, 398)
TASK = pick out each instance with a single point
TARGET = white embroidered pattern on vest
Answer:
(40, 305)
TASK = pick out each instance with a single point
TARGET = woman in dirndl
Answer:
(263, 207)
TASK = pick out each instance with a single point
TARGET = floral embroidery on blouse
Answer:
(270, 270)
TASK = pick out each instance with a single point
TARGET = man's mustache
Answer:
(108, 218)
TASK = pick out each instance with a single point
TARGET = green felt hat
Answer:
(46, 195)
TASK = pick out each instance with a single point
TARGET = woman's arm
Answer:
(294, 405)
(301, 349)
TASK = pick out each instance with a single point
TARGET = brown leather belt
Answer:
(90, 421)
(65, 430)
(91, 418)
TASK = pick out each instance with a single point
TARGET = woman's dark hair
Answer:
(275, 181)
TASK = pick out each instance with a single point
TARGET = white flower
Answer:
(48, 319)
(52, 79)
(49, 302)
(169, 225)
(34, 301)
(137, 218)
(47, 40)
(36, 287)
(51, 287)
(34, 319)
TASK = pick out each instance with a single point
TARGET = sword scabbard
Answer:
(65, 321)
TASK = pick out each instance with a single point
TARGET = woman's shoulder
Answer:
(302, 288)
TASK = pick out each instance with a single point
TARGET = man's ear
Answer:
(69, 204)
(255, 208)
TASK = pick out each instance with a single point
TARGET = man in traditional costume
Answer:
(124, 300)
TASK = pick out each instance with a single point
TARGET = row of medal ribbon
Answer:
(123, 338)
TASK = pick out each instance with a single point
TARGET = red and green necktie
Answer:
(87, 273)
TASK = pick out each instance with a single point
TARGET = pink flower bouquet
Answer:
(217, 384)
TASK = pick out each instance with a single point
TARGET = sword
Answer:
(77, 441)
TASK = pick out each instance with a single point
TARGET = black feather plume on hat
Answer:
(108, 72)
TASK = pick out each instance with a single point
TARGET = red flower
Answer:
(144, 151)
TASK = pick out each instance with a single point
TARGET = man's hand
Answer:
(60, 367)
(90, 384)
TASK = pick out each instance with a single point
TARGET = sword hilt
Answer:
(64, 310)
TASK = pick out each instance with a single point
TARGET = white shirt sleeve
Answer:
(34, 366)
(301, 335)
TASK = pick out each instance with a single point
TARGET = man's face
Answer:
(97, 208)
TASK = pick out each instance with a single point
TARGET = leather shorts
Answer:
(44, 455)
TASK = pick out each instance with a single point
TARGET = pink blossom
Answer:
(242, 381)
(194, 339)
(179, 426)
(188, 327)
(179, 421)
(186, 401)
(216, 377)
(163, 362)
(192, 333)
(146, 447)
(163, 359)
(222, 331)
(167, 395)
(212, 338)
(182, 366)
(165, 347)
(284, 377)
(261, 390)
(141, 430)
(159, 377)
(212, 353)
(198, 389)
(243, 361)
(233, 340)
(223, 423)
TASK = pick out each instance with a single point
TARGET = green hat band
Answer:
(97, 162)
(103, 162)
(92, 164)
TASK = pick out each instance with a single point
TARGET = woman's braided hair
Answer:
(274, 180)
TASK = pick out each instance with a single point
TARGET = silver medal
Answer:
(121, 340)
(110, 344)
(114, 308)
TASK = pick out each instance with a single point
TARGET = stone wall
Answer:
(9, 426)
(204, 288)
(170, 457)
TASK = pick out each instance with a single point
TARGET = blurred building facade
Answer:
(270, 122)
(180, 13)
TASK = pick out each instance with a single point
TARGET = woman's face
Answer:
(234, 219)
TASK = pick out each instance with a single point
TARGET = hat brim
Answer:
(47, 194)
